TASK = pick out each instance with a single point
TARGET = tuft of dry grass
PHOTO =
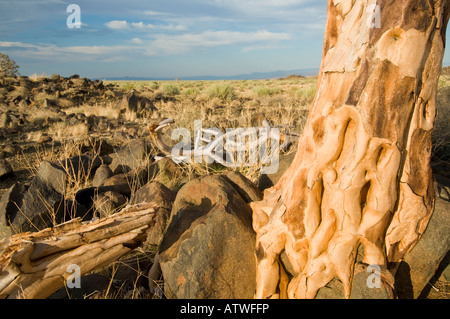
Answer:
(439, 290)
(170, 89)
(37, 77)
(62, 130)
(76, 179)
(223, 91)
(110, 110)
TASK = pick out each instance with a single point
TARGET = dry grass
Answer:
(61, 131)
(42, 114)
(230, 104)
(110, 110)
(439, 290)
(37, 77)
(76, 179)
(227, 105)
(130, 288)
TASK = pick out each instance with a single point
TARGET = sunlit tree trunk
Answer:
(361, 175)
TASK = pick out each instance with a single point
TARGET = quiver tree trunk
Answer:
(361, 175)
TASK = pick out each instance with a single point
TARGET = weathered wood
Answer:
(35, 265)
(362, 173)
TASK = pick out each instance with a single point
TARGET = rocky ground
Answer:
(72, 147)
(58, 117)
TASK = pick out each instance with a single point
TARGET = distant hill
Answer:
(250, 76)
(293, 77)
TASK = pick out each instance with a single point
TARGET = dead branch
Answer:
(35, 265)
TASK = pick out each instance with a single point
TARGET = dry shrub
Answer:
(62, 130)
(109, 110)
(224, 92)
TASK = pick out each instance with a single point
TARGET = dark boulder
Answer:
(5, 169)
(133, 156)
(81, 165)
(421, 263)
(270, 180)
(10, 203)
(101, 175)
(108, 203)
(134, 103)
(208, 248)
(164, 197)
(41, 200)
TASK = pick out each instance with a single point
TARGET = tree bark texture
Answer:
(361, 175)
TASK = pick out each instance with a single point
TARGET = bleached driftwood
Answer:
(35, 265)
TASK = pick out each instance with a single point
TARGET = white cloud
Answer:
(52, 52)
(178, 44)
(118, 25)
(260, 3)
(275, 11)
(156, 13)
(131, 30)
(141, 26)
(138, 25)
(137, 41)
(157, 45)
(269, 46)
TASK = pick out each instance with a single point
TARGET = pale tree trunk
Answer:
(361, 175)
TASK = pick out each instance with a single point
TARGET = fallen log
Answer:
(35, 265)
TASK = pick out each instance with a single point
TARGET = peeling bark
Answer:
(362, 172)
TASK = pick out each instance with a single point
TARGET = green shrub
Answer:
(154, 85)
(128, 86)
(170, 89)
(190, 92)
(267, 91)
(222, 91)
(8, 67)
(306, 93)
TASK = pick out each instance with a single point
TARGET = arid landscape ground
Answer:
(50, 118)
(53, 124)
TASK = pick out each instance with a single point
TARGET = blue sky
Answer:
(170, 38)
